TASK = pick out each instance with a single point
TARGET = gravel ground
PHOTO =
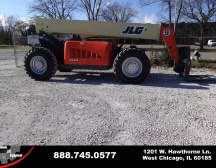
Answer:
(94, 108)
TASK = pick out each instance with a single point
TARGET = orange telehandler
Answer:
(131, 65)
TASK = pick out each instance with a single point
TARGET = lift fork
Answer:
(185, 66)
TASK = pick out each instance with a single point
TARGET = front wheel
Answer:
(132, 66)
(40, 64)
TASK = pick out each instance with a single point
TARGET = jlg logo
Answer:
(133, 30)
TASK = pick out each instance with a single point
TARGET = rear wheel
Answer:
(40, 64)
(132, 66)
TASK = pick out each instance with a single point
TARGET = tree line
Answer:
(10, 26)
(172, 13)
(202, 12)
(94, 9)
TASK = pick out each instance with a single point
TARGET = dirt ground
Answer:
(94, 108)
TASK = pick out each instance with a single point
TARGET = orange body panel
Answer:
(88, 53)
(168, 36)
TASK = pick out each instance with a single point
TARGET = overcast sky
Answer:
(18, 8)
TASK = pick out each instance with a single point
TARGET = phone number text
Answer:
(84, 155)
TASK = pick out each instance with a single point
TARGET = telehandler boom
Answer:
(130, 65)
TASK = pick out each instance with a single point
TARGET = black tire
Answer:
(132, 66)
(186, 73)
(40, 64)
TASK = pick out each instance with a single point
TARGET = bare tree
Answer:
(202, 11)
(54, 9)
(92, 8)
(164, 2)
(7, 28)
(9, 23)
(1, 26)
(148, 2)
(117, 12)
(173, 7)
(178, 9)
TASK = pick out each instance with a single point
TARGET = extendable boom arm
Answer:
(99, 28)
(112, 29)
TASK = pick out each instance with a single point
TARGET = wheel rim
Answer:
(38, 65)
(132, 67)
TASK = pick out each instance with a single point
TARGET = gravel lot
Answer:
(94, 108)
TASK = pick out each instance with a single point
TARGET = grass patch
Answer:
(207, 49)
(6, 47)
(163, 59)
(211, 64)
(2, 47)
